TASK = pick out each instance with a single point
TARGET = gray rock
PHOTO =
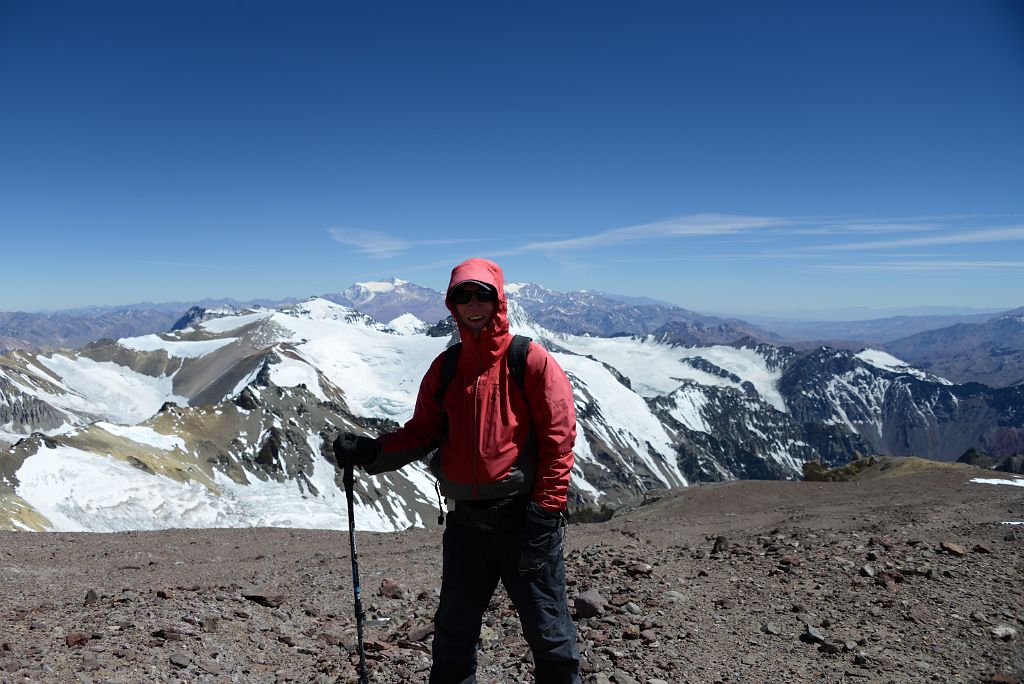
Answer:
(422, 632)
(812, 635)
(623, 677)
(721, 545)
(808, 619)
(209, 666)
(590, 604)
(180, 660)
(1004, 632)
(858, 673)
(390, 588)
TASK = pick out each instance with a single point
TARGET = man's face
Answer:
(474, 314)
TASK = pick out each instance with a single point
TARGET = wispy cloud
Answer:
(963, 236)
(858, 228)
(892, 237)
(684, 226)
(381, 245)
(371, 242)
(928, 267)
(188, 264)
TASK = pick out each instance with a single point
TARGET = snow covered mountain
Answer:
(595, 313)
(386, 300)
(227, 420)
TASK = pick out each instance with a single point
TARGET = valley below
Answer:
(910, 572)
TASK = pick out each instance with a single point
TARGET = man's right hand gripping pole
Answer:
(354, 450)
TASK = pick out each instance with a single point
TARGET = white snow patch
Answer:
(382, 286)
(107, 389)
(379, 371)
(1016, 482)
(229, 323)
(408, 324)
(324, 310)
(688, 403)
(292, 373)
(145, 435)
(637, 426)
(656, 369)
(748, 365)
(886, 361)
(179, 348)
(78, 491)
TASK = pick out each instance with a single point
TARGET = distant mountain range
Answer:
(227, 420)
(963, 348)
(868, 331)
(72, 328)
(989, 352)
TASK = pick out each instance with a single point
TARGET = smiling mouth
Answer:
(476, 318)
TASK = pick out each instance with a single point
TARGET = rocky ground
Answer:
(907, 574)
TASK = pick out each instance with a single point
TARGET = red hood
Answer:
(495, 337)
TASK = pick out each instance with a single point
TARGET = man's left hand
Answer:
(541, 530)
(354, 449)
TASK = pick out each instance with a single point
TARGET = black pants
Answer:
(474, 561)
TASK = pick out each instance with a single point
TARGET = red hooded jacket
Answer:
(489, 418)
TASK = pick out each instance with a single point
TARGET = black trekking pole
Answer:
(348, 443)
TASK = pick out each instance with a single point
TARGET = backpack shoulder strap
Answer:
(449, 364)
(517, 352)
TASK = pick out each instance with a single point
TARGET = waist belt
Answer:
(490, 515)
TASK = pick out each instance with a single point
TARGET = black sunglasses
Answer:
(463, 296)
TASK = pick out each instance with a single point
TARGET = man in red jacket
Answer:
(503, 460)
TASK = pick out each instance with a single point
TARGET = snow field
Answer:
(629, 409)
(219, 326)
(187, 349)
(379, 372)
(81, 491)
(886, 361)
(118, 394)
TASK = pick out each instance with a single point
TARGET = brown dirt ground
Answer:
(817, 582)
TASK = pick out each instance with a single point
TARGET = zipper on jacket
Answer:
(476, 423)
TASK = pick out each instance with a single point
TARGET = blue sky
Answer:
(731, 157)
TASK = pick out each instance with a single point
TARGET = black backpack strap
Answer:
(449, 364)
(517, 352)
